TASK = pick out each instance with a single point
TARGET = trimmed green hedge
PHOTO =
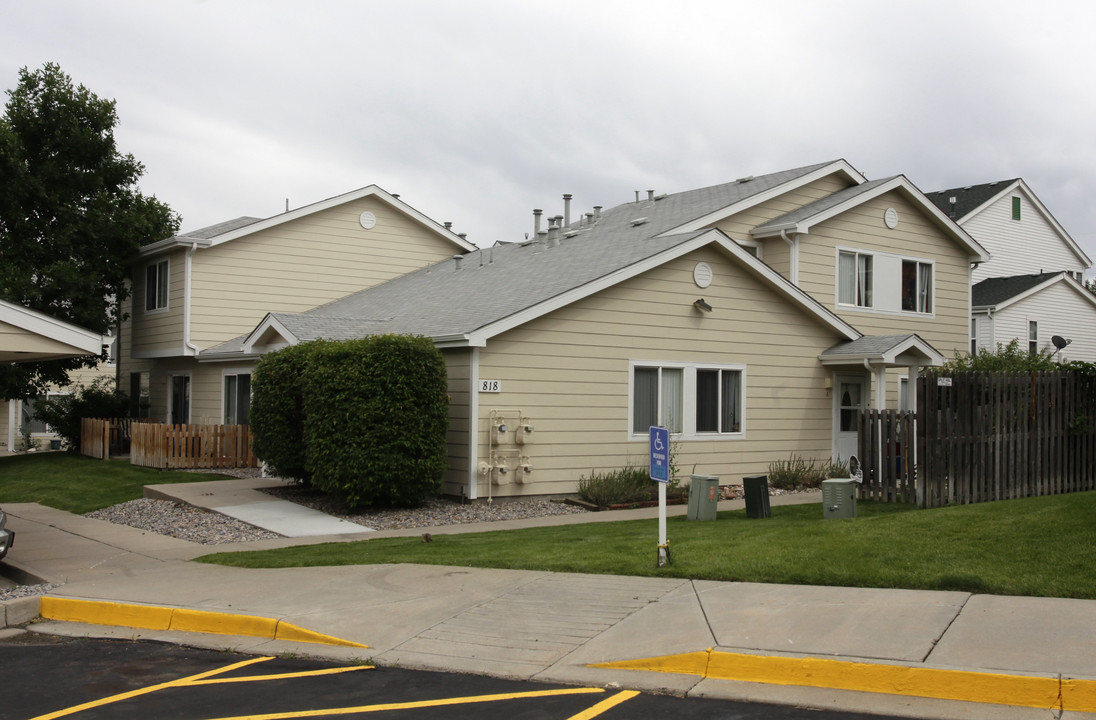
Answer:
(277, 411)
(373, 415)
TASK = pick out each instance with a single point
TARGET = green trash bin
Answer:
(703, 497)
(756, 488)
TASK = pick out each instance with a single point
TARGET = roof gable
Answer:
(972, 200)
(31, 336)
(214, 235)
(801, 221)
(999, 293)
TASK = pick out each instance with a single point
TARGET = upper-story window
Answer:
(854, 279)
(1015, 208)
(157, 276)
(1033, 337)
(916, 286)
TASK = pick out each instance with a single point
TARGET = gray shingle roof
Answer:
(213, 231)
(822, 205)
(994, 291)
(967, 198)
(867, 345)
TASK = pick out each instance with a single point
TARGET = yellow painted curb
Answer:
(1018, 690)
(150, 617)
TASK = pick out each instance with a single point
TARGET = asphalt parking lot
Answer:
(52, 677)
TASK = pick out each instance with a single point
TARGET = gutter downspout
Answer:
(793, 255)
(187, 344)
(473, 426)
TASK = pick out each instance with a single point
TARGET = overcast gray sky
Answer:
(480, 110)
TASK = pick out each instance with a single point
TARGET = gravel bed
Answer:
(20, 591)
(182, 521)
(434, 512)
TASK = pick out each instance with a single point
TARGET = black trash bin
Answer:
(756, 488)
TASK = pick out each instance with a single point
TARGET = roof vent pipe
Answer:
(566, 209)
(597, 212)
(559, 222)
(637, 197)
(448, 224)
(651, 195)
(553, 235)
(589, 218)
(536, 221)
(457, 259)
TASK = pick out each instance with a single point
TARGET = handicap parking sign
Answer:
(660, 454)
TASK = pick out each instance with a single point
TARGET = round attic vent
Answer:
(890, 217)
(702, 274)
(368, 220)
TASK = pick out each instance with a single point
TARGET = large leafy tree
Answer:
(71, 214)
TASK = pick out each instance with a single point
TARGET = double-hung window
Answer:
(237, 399)
(157, 276)
(689, 400)
(854, 279)
(916, 286)
(1033, 337)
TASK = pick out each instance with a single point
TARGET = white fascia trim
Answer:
(41, 324)
(371, 190)
(1007, 190)
(480, 337)
(268, 323)
(889, 357)
(229, 357)
(1061, 231)
(702, 222)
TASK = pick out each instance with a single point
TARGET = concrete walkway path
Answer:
(900, 652)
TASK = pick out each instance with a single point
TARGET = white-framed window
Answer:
(157, 277)
(854, 278)
(1033, 336)
(28, 418)
(973, 337)
(916, 286)
(237, 398)
(691, 400)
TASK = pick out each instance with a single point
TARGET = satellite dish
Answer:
(1060, 342)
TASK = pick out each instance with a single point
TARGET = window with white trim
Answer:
(237, 399)
(854, 279)
(689, 399)
(157, 277)
(1033, 337)
(916, 286)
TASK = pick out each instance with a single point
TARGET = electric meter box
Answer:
(839, 498)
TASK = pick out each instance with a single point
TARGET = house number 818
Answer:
(492, 386)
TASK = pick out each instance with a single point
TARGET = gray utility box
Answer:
(839, 498)
(756, 489)
(703, 497)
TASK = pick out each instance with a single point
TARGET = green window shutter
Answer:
(1015, 208)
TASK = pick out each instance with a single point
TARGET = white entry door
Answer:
(849, 398)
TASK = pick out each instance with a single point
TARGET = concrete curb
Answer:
(1054, 691)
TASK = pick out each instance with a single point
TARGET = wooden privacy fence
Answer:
(191, 446)
(886, 455)
(102, 437)
(980, 437)
(995, 436)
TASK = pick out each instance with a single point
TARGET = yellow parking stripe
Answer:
(150, 689)
(281, 676)
(440, 702)
(1001, 689)
(606, 704)
(150, 617)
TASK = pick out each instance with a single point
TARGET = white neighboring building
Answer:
(1032, 287)
(1035, 308)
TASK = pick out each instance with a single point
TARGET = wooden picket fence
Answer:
(95, 437)
(191, 446)
(886, 455)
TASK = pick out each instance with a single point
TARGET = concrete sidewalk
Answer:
(897, 652)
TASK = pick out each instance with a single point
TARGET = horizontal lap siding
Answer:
(159, 330)
(1019, 247)
(458, 369)
(301, 264)
(1059, 310)
(569, 373)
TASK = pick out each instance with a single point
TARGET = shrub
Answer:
(277, 411)
(375, 419)
(797, 472)
(616, 487)
(62, 413)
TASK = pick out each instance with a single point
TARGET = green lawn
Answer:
(79, 484)
(1039, 547)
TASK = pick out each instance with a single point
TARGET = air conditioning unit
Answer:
(839, 498)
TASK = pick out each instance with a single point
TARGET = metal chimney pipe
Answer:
(637, 197)
(536, 221)
(597, 212)
(457, 260)
(651, 195)
(448, 224)
(567, 210)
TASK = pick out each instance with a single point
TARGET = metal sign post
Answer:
(660, 472)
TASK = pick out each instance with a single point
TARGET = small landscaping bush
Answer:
(799, 473)
(616, 487)
(62, 413)
(277, 411)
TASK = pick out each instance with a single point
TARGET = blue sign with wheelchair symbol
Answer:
(660, 454)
